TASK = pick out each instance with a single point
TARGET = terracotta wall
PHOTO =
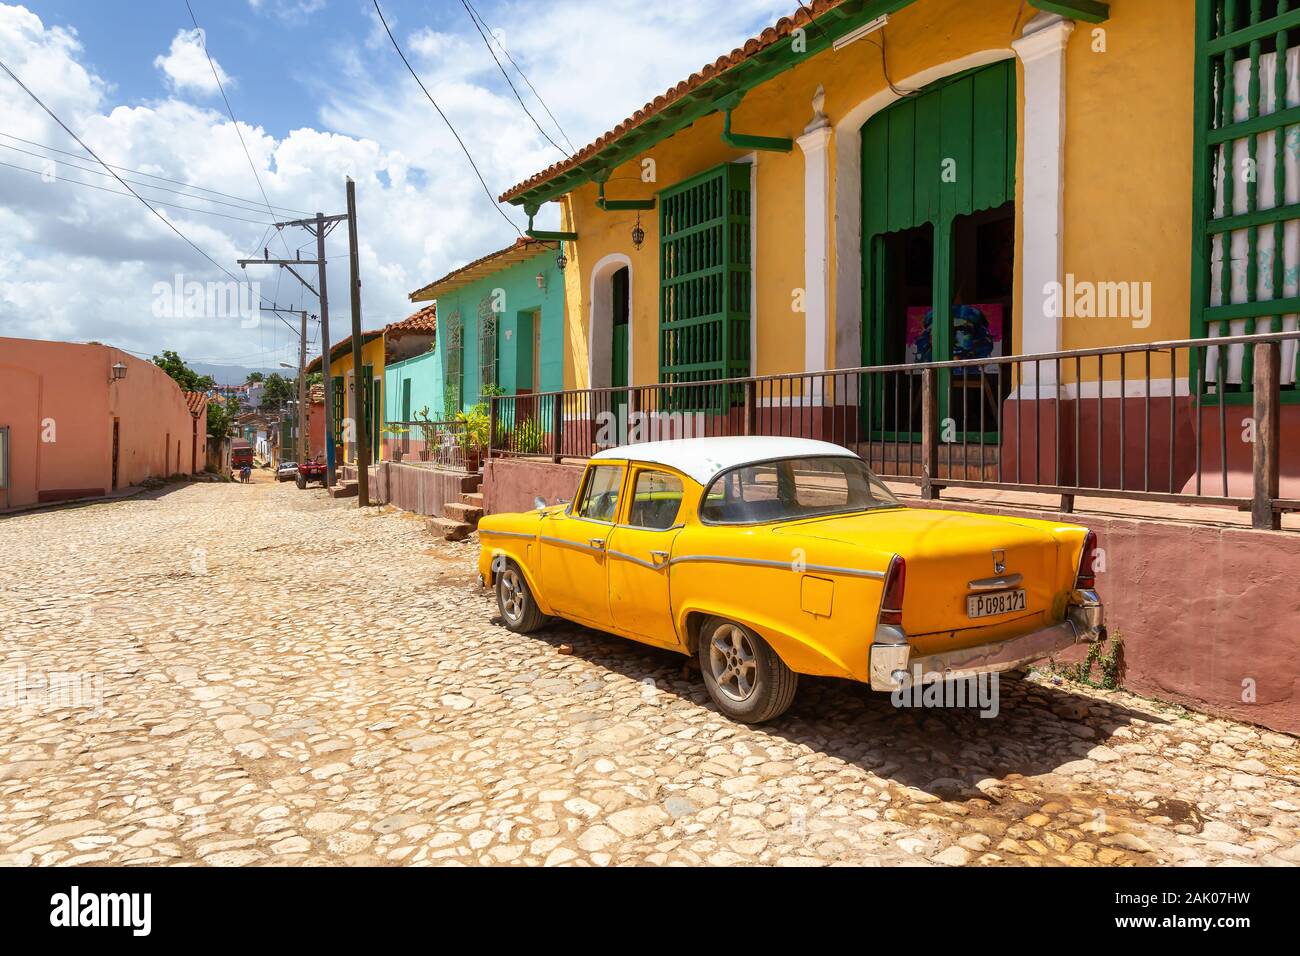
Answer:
(59, 405)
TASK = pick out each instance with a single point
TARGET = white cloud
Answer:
(186, 65)
(79, 264)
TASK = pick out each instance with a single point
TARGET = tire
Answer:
(515, 600)
(743, 675)
(301, 482)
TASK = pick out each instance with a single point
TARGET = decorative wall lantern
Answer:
(541, 280)
(561, 261)
(638, 234)
(118, 372)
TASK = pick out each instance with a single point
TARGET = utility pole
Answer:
(319, 226)
(359, 387)
(302, 391)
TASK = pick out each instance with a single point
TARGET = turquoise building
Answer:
(500, 321)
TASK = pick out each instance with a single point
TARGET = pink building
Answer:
(79, 421)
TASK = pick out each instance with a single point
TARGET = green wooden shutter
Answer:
(704, 283)
(337, 381)
(452, 373)
(1244, 272)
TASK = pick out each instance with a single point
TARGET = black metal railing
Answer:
(441, 443)
(1157, 421)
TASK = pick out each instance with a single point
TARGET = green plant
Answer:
(427, 427)
(1107, 656)
(476, 427)
(527, 437)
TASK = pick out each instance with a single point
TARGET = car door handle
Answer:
(597, 543)
(659, 558)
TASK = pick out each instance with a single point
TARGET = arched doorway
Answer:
(610, 338)
(938, 246)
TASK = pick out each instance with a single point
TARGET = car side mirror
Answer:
(539, 502)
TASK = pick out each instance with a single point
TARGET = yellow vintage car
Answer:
(773, 557)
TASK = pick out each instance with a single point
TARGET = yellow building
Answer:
(1051, 170)
(346, 418)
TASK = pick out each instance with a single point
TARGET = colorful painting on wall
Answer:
(976, 332)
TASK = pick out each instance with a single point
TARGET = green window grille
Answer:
(487, 347)
(704, 284)
(452, 372)
(339, 413)
(1246, 185)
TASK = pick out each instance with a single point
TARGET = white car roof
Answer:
(703, 459)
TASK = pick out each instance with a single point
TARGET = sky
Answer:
(319, 94)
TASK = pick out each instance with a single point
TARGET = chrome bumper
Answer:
(892, 665)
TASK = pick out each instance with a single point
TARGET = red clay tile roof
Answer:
(520, 250)
(196, 402)
(424, 322)
(752, 47)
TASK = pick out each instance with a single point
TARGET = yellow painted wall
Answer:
(1127, 174)
(372, 353)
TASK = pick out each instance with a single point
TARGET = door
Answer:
(618, 370)
(638, 554)
(117, 444)
(573, 548)
(4, 463)
(938, 194)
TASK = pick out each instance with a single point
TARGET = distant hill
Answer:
(235, 374)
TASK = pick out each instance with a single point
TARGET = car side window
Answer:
(600, 496)
(656, 499)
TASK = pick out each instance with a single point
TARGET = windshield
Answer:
(794, 488)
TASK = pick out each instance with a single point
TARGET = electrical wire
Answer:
(134, 182)
(140, 172)
(501, 47)
(216, 75)
(114, 192)
(509, 82)
(163, 219)
(463, 147)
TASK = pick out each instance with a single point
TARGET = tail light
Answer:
(891, 604)
(1086, 579)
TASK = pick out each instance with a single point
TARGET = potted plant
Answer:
(428, 432)
(475, 427)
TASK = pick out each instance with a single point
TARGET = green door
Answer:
(938, 191)
(618, 370)
(704, 285)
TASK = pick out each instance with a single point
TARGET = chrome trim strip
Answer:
(506, 534)
(635, 560)
(784, 565)
(996, 584)
(566, 543)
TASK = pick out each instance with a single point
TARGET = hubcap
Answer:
(512, 596)
(732, 662)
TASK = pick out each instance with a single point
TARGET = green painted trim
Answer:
(747, 141)
(1257, 31)
(702, 101)
(618, 205)
(1251, 310)
(1260, 217)
(1251, 127)
(1090, 11)
(1202, 187)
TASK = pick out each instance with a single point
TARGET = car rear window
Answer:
(794, 488)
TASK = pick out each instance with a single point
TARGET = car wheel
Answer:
(744, 676)
(515, 601)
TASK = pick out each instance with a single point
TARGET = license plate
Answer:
(995, 603)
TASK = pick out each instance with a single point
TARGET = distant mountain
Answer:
(235, 374)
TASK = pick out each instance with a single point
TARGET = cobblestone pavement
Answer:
(288, 679)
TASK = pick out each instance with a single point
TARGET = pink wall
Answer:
(59, 406)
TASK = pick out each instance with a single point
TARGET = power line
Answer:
(136, 182)
(464, 149)
(216, 75)
(140, 172)
(165, 221)
(114, 192)
(502, 48)
(509, 83)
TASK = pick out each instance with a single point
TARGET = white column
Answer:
(1042, 52)
(814, 144)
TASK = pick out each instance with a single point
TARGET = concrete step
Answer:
(344, 489)
(449, 528)
(460, 511)
(474, 498)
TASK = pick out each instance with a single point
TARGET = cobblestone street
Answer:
(287, 679)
